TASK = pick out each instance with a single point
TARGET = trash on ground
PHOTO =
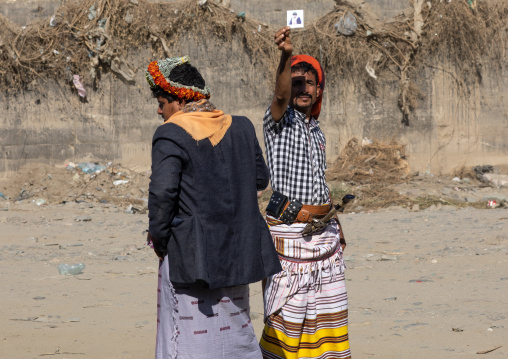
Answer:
(121, 68)
(366, 141)
(480, 170)
(119, 182)
(40, 201)
(53, 21)
(371, 71)
(92, 13)
(71, 269)
(86, 167)
(91, 168)
(495, 180)
(492, 204)
(76, 80)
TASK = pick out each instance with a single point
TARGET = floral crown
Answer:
(158, 72)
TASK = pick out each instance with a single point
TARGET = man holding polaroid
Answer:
(306, 309)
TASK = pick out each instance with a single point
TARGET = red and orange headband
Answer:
(158, 72)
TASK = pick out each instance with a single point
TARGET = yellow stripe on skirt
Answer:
(308, 346)
(306, 307)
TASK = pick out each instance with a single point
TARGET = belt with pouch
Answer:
(294, 211)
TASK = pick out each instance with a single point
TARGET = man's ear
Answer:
(318, 91)
(181, 103)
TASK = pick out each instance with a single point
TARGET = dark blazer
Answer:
(203, 207)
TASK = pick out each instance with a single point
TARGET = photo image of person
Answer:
(295, 18)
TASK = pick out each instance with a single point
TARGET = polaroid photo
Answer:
(295, 18)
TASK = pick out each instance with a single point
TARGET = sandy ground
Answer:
(426, 284)
(426, 281)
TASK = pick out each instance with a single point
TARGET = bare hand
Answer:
(283, 41)
(159, 254)
(149, 241)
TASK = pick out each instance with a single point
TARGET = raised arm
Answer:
(282, 93)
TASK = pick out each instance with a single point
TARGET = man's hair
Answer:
(305, 67)
(185, 74)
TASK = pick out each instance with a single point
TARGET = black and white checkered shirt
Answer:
(295, 151)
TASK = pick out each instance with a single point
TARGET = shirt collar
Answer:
(301, 116)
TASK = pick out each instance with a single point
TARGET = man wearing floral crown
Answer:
(204, 220)
(306, 309)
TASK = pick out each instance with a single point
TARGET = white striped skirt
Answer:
(196, 323)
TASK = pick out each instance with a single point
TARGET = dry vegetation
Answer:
(86, 37)
(465, 37)
(91, 37)
(453, 33)
(375, 162)
(368, 170)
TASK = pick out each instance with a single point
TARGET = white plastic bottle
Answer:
(71, 269)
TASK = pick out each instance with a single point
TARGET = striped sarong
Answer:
(306, 309)
(196, 323)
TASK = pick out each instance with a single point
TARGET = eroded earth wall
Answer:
(49, 124)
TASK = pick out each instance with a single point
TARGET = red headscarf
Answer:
(316, 108)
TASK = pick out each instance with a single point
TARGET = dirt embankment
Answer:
(376, 173)
(81, 182)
